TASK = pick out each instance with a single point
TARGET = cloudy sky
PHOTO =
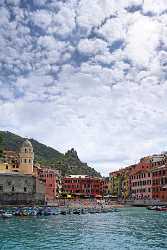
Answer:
(86, 74)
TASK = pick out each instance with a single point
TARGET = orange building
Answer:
(159, 183)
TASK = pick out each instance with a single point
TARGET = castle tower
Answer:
(26, 156)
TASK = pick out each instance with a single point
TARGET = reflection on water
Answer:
(132, 229)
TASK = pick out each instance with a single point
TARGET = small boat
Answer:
(63, 212)
(76, 211)
(152, 207)
(92, 211)
(163, 208)
(6, 215)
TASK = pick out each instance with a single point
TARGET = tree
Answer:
(1, 151)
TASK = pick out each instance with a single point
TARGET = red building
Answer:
(159, 183)
(51, 178)
(141, 179)
(84, 185)
(145, 180)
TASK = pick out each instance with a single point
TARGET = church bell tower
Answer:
(26, 156)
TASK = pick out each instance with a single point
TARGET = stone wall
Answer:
(19, 189)
(21, 199)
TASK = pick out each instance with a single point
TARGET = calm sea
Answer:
(132, 229)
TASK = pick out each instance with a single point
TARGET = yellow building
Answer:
(125, 185)
(7, 168)
(26, 158)
(115, 184)
(19, 162)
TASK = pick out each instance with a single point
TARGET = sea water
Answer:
(131, 229)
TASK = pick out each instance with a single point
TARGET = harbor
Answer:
(130, 228)
(48, 211)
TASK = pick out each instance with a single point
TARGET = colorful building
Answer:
(21, 162)
(84, 185)
(125, 184)
(52, 181)
(116, 183)
(141, 183)
(159, 183)
(145, 180)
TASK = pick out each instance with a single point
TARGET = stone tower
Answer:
(26, 156)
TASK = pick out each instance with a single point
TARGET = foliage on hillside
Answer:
(1, 151)
(68, 163)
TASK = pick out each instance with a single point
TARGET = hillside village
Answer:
(24, 180)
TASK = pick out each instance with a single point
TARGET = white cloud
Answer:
(154, 6)
(89, 46)
(63, 22)
(42, 18)
(143, 38)
(114, 29)
(64, 81)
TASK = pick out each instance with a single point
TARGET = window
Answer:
(1, 188)
(29, 160)
(6, 166)
(25, 189)
(13, 189)
(25, 150)
(25, 161)
(9, 183)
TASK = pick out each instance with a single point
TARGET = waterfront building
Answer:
(116, 183)
(84, 185)
(159, 182)
(105, 186)
(125, 183)
(141, 182)
(17, 188)
(144, 180)
(22, 162)
(52, 180)
(17, 182)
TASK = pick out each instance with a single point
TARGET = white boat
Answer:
(6, 215)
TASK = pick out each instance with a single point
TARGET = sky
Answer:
(91, 75)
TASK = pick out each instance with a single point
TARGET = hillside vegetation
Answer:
(68, 163)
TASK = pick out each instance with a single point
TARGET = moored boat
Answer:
(163, 208)
(152, 207)
(6, 215)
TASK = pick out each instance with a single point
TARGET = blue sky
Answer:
(86, 74)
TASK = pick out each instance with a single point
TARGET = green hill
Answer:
(68, 163)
